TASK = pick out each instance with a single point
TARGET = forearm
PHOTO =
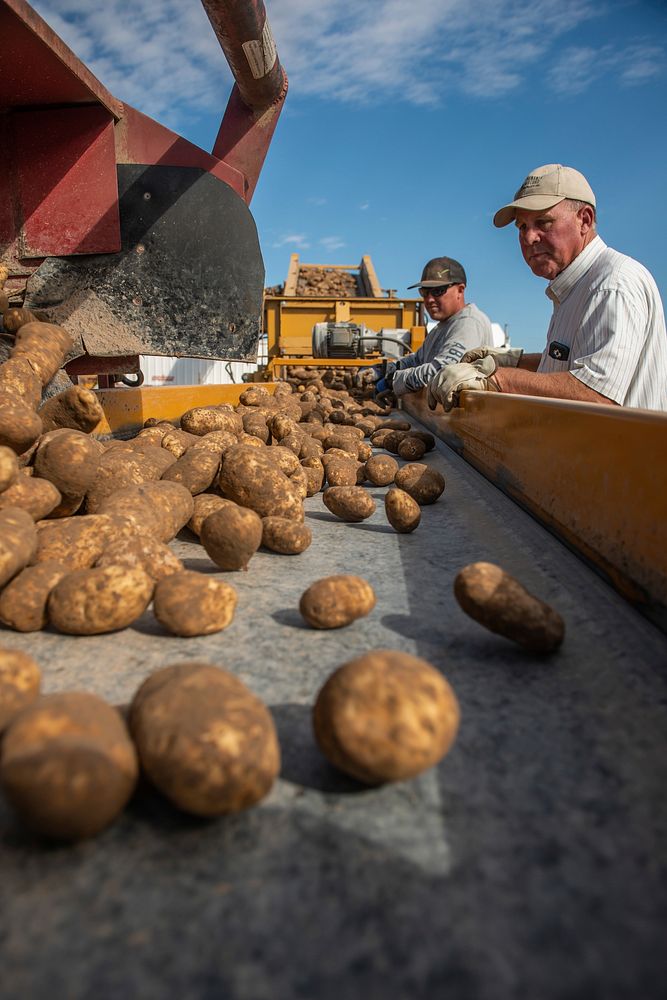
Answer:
(556, 385)
(530, 362)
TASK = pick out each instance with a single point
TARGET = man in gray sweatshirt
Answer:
(460, 328)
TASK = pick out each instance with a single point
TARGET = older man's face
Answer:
(552, 238)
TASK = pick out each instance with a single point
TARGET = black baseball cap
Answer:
(441, 271)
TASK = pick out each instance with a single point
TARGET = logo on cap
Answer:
(559, 352)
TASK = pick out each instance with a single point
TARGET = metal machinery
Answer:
(531, 862)
(135, 239)
(307, 326)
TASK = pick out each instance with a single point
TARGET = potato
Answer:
(423, 484)
(336, 601)
(499, 602)
(403, 513)
(18, 377)
(231, 536)
(18, 542)
(143, 551)
(395, 424)
(205, 504)
(45, 346)
(411, 448)
(256, 395)
(176, 441)
(77, 408)
(340, 471)
(120, 468)
(218, 441)
(381, 469)
(392, 441)
(424, 436)
(385, 716)
(68, 765)
(251, 478)
(255, 425)
(364, 452)
(344, 442)
(195, 470)
(203, 419)
(287, 537)
(204, 739)
(99, 600)
(37, 497)
(379, 437)
(349, 503)
(23, 601)
(9, 467)
(314, 471)
(19, 425)
(189, 603)
(159, 509)
(20, 681)
(75, 542)
(69, 460)
(14, 319)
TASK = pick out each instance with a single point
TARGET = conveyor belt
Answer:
(531, 863)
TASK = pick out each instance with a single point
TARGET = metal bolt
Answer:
(147, 196)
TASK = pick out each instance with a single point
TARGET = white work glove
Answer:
(452, 379)
(504, 357)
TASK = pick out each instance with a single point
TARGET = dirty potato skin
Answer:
(98, 600)
(18, 542)
(190, 603)
(69, 460)
(20, 682)
(68, 765)
(349, 503)
(499, 602)
(9, 467)
(205, 504)
(231, 536)
(76, 542)
(381, 469)
(252, 479)
(411, 448)
(204, 739)
(403, 513)
(142, 551)
(385, 716)
(336, 601)
(19, 425)
(423, 483)
(287, 537)
(78, 408)
(23, 601)
(37, 497)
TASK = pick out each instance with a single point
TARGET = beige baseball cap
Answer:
(544, 187)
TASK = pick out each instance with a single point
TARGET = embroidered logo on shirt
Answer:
(559, 352)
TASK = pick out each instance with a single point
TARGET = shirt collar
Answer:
(559, 289)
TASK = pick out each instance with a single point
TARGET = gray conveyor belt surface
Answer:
(531, 863)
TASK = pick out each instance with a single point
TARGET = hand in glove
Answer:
(451, 379)
(504, 357)
(383, 395)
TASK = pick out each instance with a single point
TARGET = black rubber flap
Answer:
(188, 281)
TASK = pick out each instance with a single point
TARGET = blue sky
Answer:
(409, 122)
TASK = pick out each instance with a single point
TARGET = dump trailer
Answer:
(530, 862)
(336, 314)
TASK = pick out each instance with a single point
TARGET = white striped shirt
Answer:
(608, 328)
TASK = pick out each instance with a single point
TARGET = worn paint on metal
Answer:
(592, 474)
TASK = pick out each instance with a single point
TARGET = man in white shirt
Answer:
(607, 341)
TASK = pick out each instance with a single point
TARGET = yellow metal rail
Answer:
(125, 410)
(595, 475)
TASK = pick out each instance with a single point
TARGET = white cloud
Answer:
(579, 67)
(165, 59)
(317, 201)
(332, 242)
(298, 240)
(364, 206)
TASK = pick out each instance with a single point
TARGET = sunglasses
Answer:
(435, 292)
